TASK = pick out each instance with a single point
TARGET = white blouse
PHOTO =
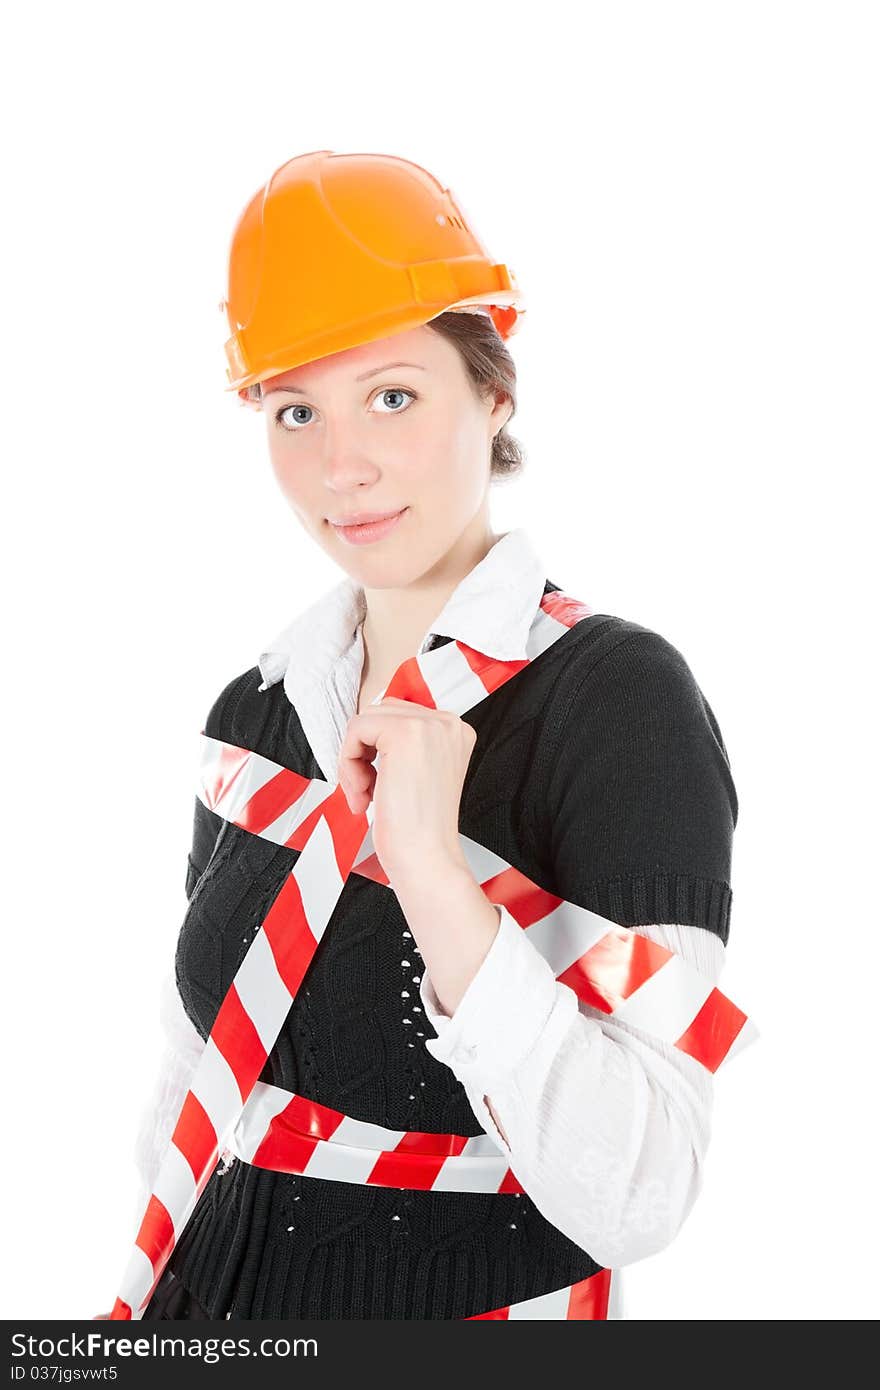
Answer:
(608, 1125)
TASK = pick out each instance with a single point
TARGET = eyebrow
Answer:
(373, 372)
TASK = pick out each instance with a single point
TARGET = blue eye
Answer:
(283, 411)
(388, 391)
(395, 391)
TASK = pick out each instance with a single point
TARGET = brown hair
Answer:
(490, 368)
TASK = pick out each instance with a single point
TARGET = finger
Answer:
(364, 739)
(358, 781)
(375, 717)
(359, 743)
(412, 709)
(354, 770)
(371, 730)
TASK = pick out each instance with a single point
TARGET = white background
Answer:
(688, 195)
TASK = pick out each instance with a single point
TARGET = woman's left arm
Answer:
(605, 1126)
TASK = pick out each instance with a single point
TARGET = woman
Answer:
(599, 773)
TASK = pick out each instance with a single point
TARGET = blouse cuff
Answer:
(502, 1013)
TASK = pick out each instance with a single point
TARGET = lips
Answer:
(368, 526)
(362, 518)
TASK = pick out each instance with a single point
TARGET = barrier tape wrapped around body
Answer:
(609, 967)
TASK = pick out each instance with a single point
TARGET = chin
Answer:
(381, 571)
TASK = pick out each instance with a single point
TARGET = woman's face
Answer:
(352, 433)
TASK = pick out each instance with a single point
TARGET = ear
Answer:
(502, 411)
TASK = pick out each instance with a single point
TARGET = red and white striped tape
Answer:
(608, 966)
(601, 961)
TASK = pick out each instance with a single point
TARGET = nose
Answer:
(346, 464)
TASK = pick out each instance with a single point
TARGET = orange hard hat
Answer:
(340, 249)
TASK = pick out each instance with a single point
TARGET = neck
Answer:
(397, 619)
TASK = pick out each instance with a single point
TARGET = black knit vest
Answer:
(600, 772)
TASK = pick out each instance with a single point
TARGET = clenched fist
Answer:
(422, 757)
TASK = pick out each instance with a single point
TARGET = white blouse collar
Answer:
(491, 610)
